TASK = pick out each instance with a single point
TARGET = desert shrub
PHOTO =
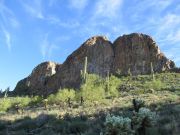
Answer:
(137, 92)
(26, 124)
(117, 125)
(22, 101)
(137, 104)
(20, 132)
(156, 85)
(35, 100)
(93, 89)
(143, 120)
(10, 102)
(48, 132)
(114, 83)
(5, 103)
(2, 125)
(136, 123)
(61, 96)
(78, 127)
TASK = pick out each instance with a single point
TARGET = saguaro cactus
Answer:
(84, 73)
(152, 71)
(107, 80)
(6, 92)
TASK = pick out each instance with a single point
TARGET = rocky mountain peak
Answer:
(135, 52)
(96, 40)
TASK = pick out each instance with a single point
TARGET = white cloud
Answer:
(7, 37)
(78, 4)
(47, 47)
(167, 29)
(7, 20)
(107, 8)
(34, 8)
(66, 24)
(8, 17)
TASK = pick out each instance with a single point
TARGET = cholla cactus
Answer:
(137, 103)
(117, 125)
(142, 119)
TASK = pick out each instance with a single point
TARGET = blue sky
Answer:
(33, 31)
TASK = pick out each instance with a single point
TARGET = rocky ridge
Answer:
(135, 52)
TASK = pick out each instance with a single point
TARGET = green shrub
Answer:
(113, 86)
(61, 96)
(117, 125)
(22, 101)
(93, 89)
(156, 85)
(5, 103)
(78, 127)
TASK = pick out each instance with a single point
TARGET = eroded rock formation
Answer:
(36, 82)
(100, 57)
(134, 51)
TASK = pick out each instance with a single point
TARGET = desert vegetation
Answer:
(115, 105)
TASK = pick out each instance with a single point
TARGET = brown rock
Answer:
(36, 82)
(136, 52)
(99, 53)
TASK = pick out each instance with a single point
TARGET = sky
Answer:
(34, 31)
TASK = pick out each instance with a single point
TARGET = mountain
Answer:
(135, 52)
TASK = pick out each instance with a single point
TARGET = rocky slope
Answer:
(36, 82)
(134, 52)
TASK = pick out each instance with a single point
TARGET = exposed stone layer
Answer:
(100, 57)
(134, 51)
(36, 82)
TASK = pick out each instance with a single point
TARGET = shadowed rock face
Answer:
(36, 82)
(134, 52)
(100, 57)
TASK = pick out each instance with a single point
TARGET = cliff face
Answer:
(135, 52)
(100, 57)
(36, 82)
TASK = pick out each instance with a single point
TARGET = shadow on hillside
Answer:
(44, 124)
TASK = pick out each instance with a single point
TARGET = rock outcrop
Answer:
(36, 82)
(100, 57)
(134, 51)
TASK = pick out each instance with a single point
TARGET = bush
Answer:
(93, 89)
(142, 114)
(113, 86)
(117, 125)
(61, 96)
(5, 103)
(78, 127)
(22, 101)
(156, 85)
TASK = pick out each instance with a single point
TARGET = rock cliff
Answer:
(134, 51)
(36, 82)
